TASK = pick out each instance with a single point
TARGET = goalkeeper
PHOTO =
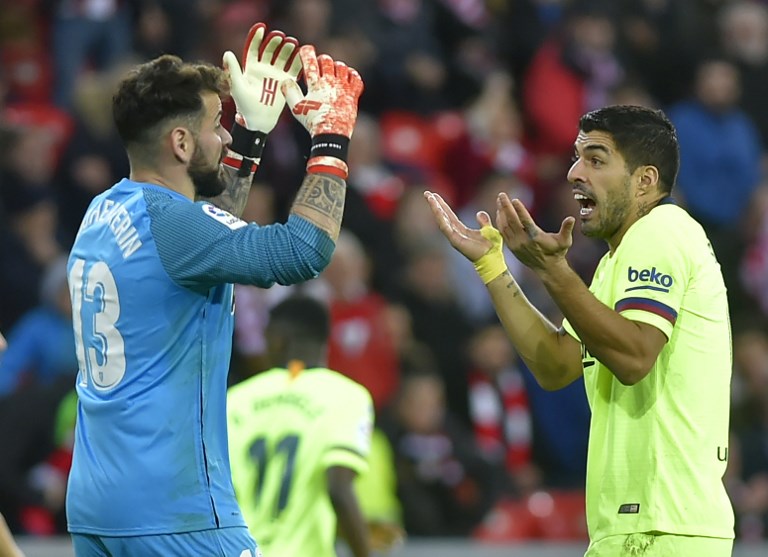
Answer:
(650, 336)
(151, 278)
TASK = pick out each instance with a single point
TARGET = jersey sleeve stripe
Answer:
(651, 306)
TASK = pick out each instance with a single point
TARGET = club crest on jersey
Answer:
(227, 219)
(656, 280)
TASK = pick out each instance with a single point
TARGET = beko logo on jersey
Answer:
(227, 219)
(650, 275)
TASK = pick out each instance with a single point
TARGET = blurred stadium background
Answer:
(464, 97)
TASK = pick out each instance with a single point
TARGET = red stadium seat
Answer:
(416, 144)
(28, 71)
(559, 515)
(57, 123)
(408, 139)
(509, 521)
(544, 515)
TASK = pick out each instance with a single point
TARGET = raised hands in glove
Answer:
(328, 111)
(268, 60)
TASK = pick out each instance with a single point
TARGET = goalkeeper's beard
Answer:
(208, 181)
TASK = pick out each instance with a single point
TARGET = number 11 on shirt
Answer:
(258, 451)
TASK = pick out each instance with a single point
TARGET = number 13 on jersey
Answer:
(95, 311)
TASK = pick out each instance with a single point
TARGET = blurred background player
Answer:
(151, 275)
(299, 434)
(29, 362)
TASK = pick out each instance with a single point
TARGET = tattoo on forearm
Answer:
(512, 285)
(235, 194)
(323, 193)
(321, 201)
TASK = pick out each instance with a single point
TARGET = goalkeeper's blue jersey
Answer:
(151, 277)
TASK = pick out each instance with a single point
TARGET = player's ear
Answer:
(648, 180)
(182, 144)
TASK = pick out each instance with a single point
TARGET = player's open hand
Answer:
(534, 247)
(383, 537)
(470, 242)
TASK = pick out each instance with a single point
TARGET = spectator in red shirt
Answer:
(361, 345)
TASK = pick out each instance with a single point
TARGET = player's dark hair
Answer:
(643, 136)
(159, 91)
(301, 318)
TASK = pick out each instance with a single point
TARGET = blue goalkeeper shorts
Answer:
(221, 542)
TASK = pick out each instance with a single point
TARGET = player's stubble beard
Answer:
(613, 211)
(209, 181)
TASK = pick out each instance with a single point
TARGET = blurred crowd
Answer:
(464, 97)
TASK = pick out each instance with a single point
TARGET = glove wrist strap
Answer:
(329, 155)
(248, 143)
(328, 165)
(244, 165)
(330, 145)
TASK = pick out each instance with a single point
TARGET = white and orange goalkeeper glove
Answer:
(268, 60)
(328, 111)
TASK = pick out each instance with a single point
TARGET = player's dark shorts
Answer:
(221, 542)
(660, 545)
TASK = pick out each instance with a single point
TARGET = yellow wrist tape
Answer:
(492, 263)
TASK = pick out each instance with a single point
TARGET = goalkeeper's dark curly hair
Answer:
(160, 91)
